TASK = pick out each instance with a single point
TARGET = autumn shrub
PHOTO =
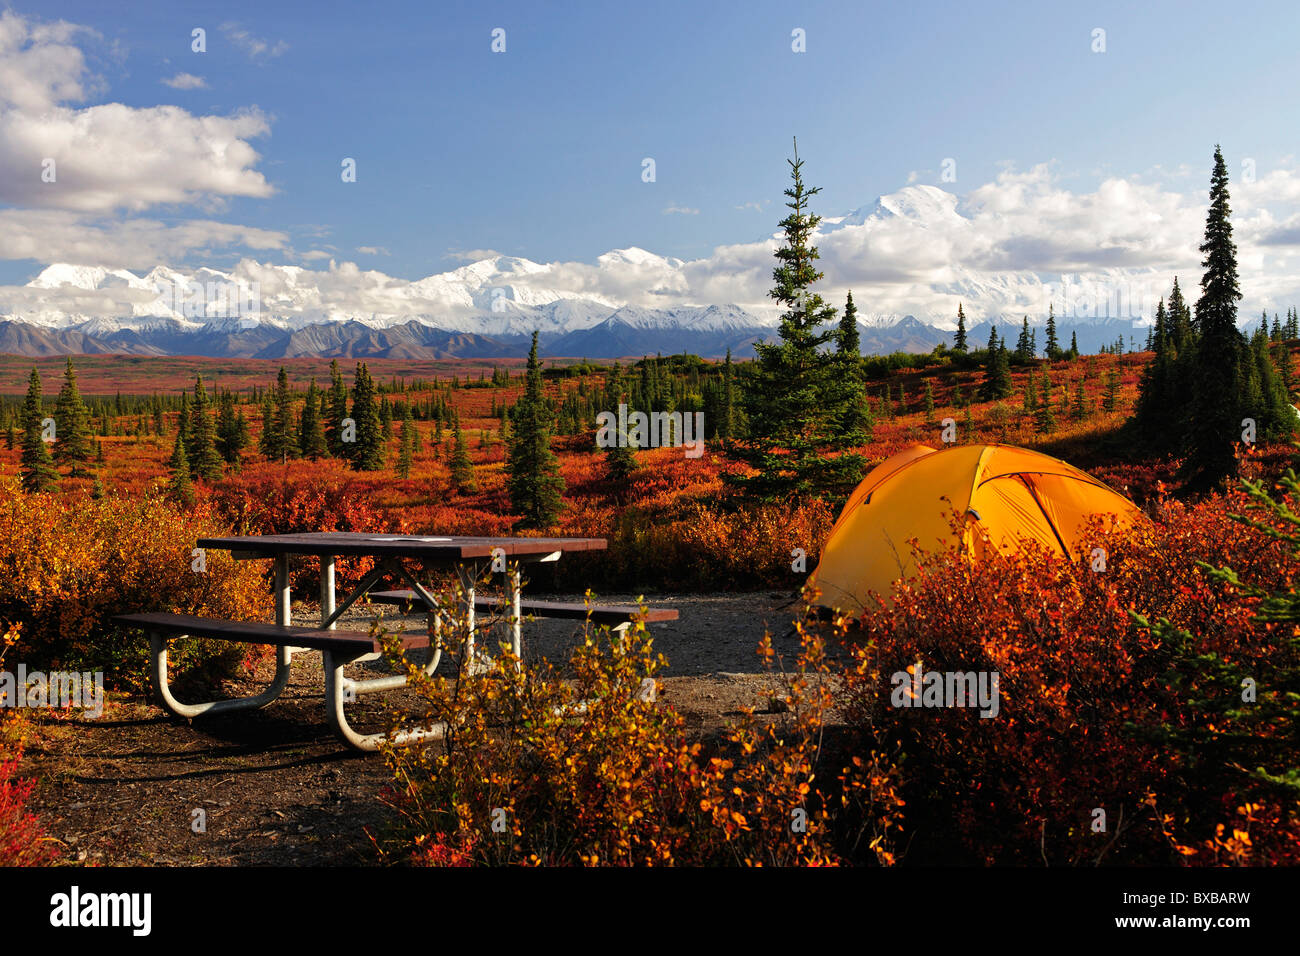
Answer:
(700, 545)
(23, 841)
(1086, 691)
(68, 563)
(543, 766)
(310, 499)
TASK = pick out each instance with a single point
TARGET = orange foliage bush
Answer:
(314, 497)
(542, 767)
(68, 563)
(1086, 694)
(22, 839)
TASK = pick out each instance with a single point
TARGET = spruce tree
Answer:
(997, 370)
(726, 429)
(1024, 350)
(204, 462)
(1274, 415)
(1074, 345)
(462, 468)
(1078, 409)
(1181, 326)
(311, 431)
(232, 429)
(959, 341)
(367, 452)
(284, 430)
(1053, 347)
(1216, 407)
(1045, 417)
(792, 401)
(182, 422)
(532, 470)
(1111, 400)
(620, 458)
(338, 410)
(71, 425)
(180, 487)
(854, 427)
(267, 442)
(1156, 415)
(37, 466)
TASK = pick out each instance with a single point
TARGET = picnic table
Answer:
(468, 556)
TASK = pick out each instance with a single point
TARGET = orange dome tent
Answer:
(1004, 492)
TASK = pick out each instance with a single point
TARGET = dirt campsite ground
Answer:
(278, 788)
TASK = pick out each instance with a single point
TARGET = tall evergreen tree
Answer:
(620, 458)
(1269, 397)
(232, 429)
(338, 410)
(267, 442)
(37, 466)
(1024, 350)
(997, 370)
(180, 488)
(182, 421)
(71, 425)
(959, 341)
(854, 427)
(462, 467)
(792, 402)
(532, 470)
(1179, 318)
(367, 452)
(1045, 417)
(1074, 345)
(284, 425)
(1156, 416)
(311, 431)
(726, 429)
(1216, 367)
(1111, 400)
(204, 462)
(1053, 347)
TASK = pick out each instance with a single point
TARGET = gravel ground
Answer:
(278, 788)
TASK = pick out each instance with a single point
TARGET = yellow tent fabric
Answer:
(1005, 493)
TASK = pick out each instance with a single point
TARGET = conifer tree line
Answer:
(1207, 378)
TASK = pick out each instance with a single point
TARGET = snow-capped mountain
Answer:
(609, 308)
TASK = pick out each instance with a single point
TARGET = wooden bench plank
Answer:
(600, 614)
(254, 632)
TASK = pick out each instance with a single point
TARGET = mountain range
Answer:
(485, 309)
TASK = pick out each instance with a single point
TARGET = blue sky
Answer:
(537, 151)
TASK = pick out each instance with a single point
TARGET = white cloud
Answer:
(111, 156)
(185, 81)
(1007, 247)
(674, 209)
(472, 255)
(255, 47)
(373, 251)
(56, 235)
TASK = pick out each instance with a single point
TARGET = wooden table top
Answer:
(433, 547)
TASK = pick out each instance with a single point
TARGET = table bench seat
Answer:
(254, 632)
(337, 648)
(614, 614)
